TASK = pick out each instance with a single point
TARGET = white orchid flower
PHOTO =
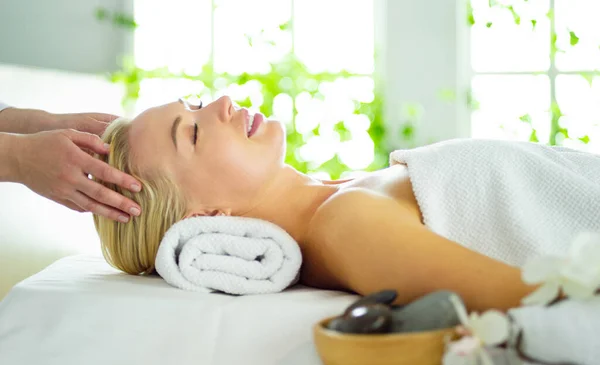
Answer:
(578, 275)
(492, 328)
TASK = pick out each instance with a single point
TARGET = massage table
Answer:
(79, 310)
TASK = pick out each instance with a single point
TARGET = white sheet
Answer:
(81, 311)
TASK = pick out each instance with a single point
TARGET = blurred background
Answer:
(351, 79)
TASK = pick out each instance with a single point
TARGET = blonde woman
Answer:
(360, 235)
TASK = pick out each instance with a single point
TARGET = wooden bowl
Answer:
(415, 348)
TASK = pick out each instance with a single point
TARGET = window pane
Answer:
(175, 34)
(332, 43)
(581, 47)
(510, 105)
(506, 46)
(248, 34)
(579, 102)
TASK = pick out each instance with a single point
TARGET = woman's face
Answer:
(209, 152)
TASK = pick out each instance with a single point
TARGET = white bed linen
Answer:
(81, 311)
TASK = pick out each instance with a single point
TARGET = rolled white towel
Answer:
(235, 255)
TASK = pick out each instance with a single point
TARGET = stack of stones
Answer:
(375, 314)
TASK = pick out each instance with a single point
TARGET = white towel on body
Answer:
(513, 201)
(508, 200)
(235, 255)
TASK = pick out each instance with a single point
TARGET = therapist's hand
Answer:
(54, 165)
(28, 121)
(94, 123)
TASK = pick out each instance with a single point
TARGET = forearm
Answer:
(8, 158)
(417, 263)
(23, 121)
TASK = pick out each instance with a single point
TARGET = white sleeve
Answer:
(3, 106)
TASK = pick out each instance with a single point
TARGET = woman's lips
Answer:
(258, 120)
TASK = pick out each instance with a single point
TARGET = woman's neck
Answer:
(291, 201)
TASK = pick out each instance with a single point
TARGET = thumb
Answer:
(88, 141)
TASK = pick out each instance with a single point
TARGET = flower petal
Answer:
(541, 269)
(583, 273)
(492, 328)
(584, 264)
(543, 295)
(577, 290)
(586, 246)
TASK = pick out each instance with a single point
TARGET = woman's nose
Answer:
(225, 108)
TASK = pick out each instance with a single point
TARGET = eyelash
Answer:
(196, 126)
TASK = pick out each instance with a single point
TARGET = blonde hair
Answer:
(132, 247)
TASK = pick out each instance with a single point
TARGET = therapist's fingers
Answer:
(99, 169)
(103, 171)
(90, 205)
(90, 125)
(88, 141)
(105, 196)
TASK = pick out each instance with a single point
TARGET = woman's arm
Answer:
(365, 242)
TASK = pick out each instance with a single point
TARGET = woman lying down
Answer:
(462, 215)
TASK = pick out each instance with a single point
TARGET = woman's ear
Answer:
(209, 213)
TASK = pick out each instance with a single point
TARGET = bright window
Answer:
(240, 36)
(536, 68)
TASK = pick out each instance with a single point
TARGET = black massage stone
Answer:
(380, 297)
(375, 318)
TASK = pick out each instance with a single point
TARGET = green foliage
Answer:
(470, 16)
(290, 76)
(516, 16)
(573, 39)
(589, 76)
(526, 118)
(116, 18)
(533, 137)
(585, 139)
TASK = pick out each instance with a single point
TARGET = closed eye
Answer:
(196, 125)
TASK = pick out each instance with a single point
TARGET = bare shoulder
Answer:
(342, 227)
(357, 208)
(364, 241)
